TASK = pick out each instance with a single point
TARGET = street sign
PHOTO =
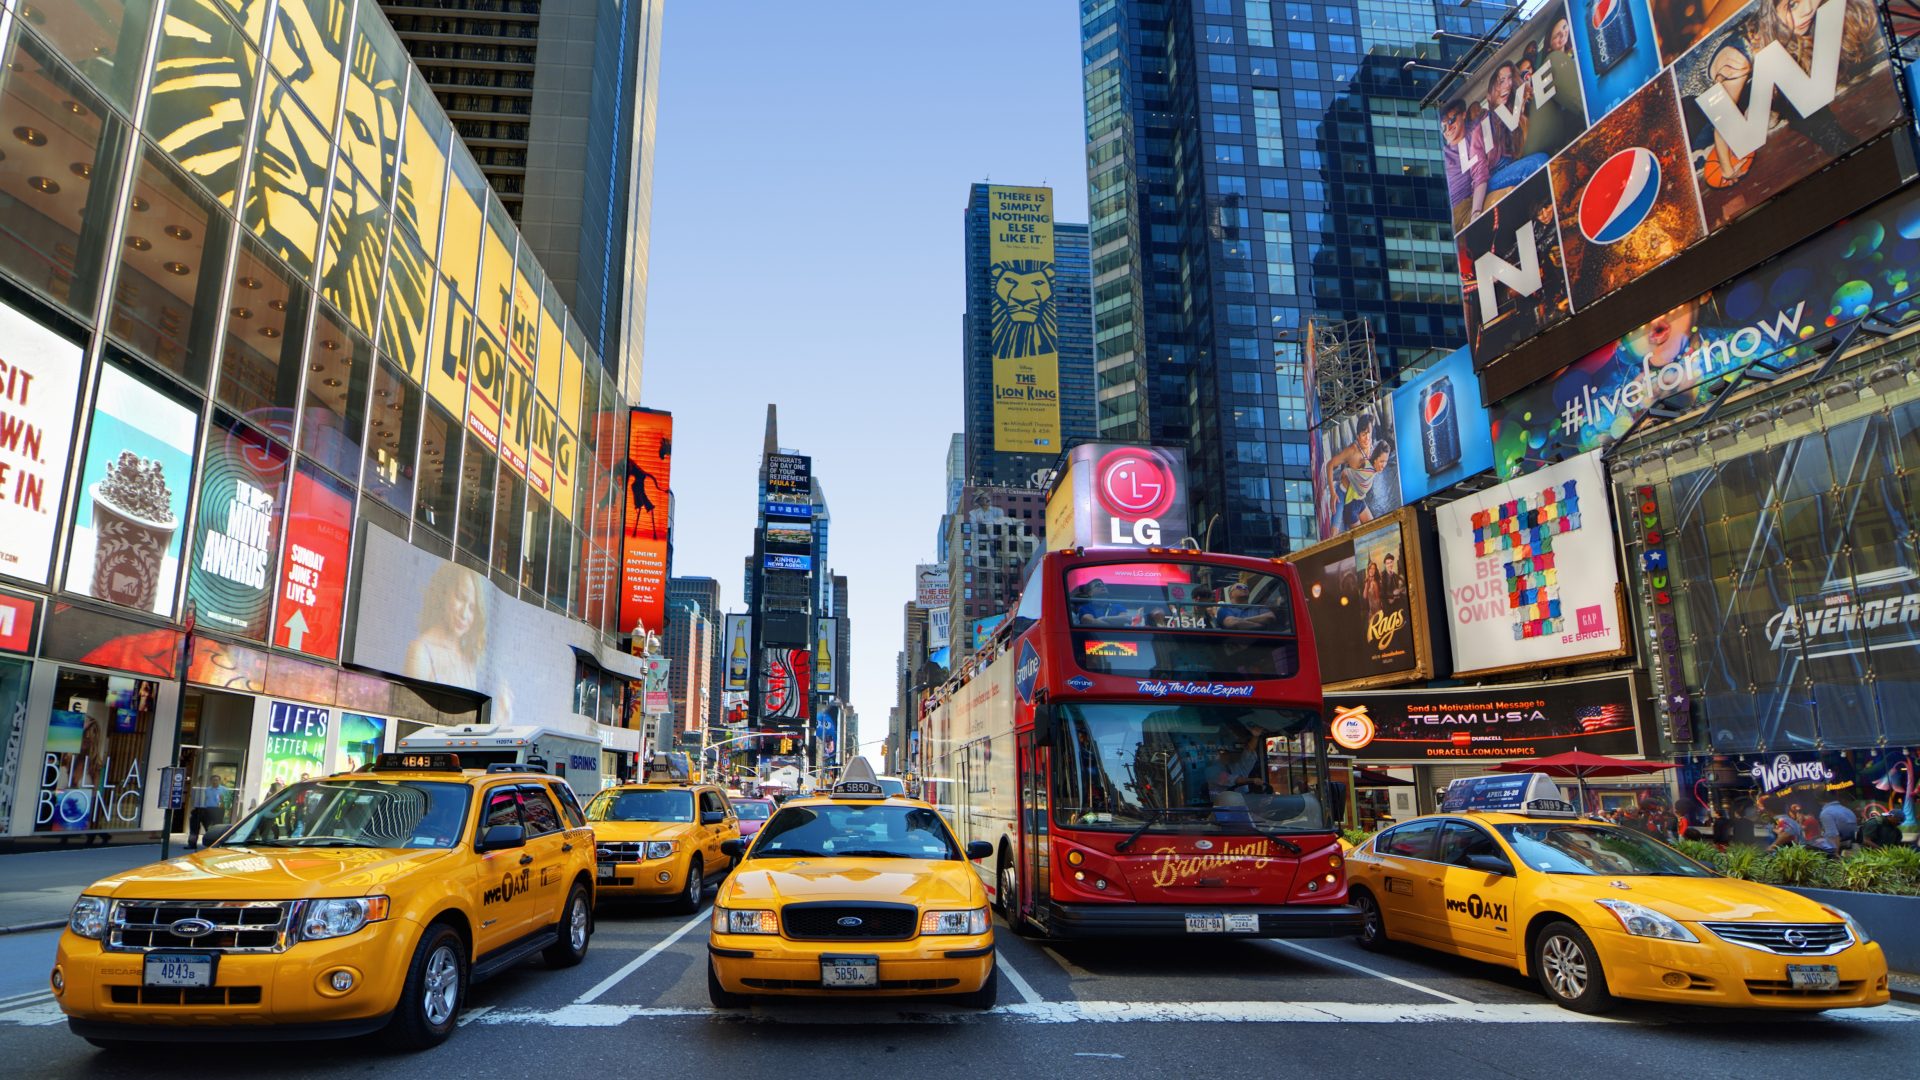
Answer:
(173, 787)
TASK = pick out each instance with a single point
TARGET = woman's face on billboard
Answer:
(460, 604)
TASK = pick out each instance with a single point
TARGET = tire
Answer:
(1006, 885)
(722, 997)
(984, 998)
(435, 989)
(1373, 923)
(688, 902)
(1568, 968)
(576, 931)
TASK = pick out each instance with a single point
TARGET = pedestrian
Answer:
(1744, 830)
(1838, 823)
(1786, 832)
(208, 813)
(1880, 831)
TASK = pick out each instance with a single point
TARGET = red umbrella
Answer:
(1578, 765)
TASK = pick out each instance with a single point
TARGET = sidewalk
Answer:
(39, 886)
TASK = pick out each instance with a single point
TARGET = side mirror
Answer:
(734, 848)
(978, 849)
(713, 817)
(503, 837)
(1492, 864)
(1043, 723)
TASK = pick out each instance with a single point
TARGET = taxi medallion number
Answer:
(1813, 976)
(849, 971)
(179, 969)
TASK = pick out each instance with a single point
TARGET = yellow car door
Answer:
(499, 879)
(1408, 879)
(1477, 893)
(550, 846)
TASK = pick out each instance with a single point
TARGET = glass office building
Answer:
(277, 369)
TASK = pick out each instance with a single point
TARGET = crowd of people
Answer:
(1834, 826)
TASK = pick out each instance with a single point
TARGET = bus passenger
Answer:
(1091, 608)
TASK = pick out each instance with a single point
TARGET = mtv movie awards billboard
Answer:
(1739, 103)
(1440, 428)
(1023, 320)
(1685, 356)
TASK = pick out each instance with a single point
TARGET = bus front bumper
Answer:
(1145, 920)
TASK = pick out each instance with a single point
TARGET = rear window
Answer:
(1179, 596)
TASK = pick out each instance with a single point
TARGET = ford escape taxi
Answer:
(358, 903)
(661, 839)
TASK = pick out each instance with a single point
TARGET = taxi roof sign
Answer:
(417, 763)
(1508, 793)
(857, 781)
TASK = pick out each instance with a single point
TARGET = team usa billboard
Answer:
(1606, 137)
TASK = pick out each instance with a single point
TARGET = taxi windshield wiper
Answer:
(872, 853)
(330, 841)
(788, 853)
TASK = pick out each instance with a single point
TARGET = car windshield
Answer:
(358, 813)
(751, 811)
(1570, 848)
(1185, 768)
(855, 830)
(641, 806)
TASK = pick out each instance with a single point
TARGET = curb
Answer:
(50, 924)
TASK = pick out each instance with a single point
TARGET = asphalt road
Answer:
(1186, 1007)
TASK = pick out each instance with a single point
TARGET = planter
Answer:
(1893, 921)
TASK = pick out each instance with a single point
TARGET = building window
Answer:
(392, 435)
(1224, 93)
(1267, 128)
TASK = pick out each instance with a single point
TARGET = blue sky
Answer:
(811, 169)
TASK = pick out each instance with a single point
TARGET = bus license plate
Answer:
(179, 969)
(1813, 976)
(849, 971)
(1214, 923)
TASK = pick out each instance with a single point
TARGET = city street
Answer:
(1121, 1008)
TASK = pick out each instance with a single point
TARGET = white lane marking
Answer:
(1020, 984)
(1365, 970)
(21, 999)
(1072, 969)
(638, 962)
(1084, 1053)
(39, 1014)
(470, 1015)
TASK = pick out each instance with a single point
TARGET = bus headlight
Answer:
(954, 922)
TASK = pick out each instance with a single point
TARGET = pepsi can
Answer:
(1610, 32)
(1439, 426)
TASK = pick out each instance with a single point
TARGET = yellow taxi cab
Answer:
(1509, 873)
(662, 839)
(857, 892)
(358, 903)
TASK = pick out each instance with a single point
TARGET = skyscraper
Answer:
(556, 99)
(1065, 287)
(706, 591)
(1254, 168)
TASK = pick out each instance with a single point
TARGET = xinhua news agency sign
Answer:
(1113, 495)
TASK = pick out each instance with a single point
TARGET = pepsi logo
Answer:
(1602, 11)
(1620, 195)
(1134, 483)
(1436, 405)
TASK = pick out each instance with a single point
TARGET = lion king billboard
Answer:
(1025, 320)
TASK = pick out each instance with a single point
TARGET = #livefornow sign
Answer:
(1529, 570)
(1112, 495)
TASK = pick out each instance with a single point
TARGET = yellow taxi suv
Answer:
(359, 903)
(1510, 874)
(855, 893)
(661, 840)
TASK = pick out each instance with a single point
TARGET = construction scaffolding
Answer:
(1346, 373)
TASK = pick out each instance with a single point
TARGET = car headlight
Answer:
(88, 917)
(736, 921)
(338, 918)
(1853, 924)
(954, 922)
(1642, 921)
(659, 849)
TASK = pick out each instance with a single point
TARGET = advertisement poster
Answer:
(785, 683)
(643, 570)
(1023, 320)
(983, 629)
(1530, 571)
(13, 731)
(133, 496)
(92, 771)
(789, 547)
(39, 383)
(237, 531)
(826, 651)
(1441, 429)
(739, 651)
(930, 589)
(1618, 54)
(939, 627)
(1596, 716)
(19, 619)
(1355, 477)
(1682, 358)
(296, 742)
(313, 573)
(1365, 598)
(362, 738)
(1511, 278)
(1115, 495)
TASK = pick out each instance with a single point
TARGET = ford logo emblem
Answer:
(604, 854)
(850, 921)
(1794, 938)
(191, 928)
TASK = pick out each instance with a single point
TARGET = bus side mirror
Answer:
(1043, 722)
(733, 849)
(978, 849)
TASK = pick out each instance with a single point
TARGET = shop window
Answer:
(266, 324)
(534, 561)
(439, 471)
(478, 465)
(92, 774)
(173, 258)
(92, 34)
(392, 434)
(356, 247)
(202, 95)
(334, 409)
(510, 504)
(289, 180)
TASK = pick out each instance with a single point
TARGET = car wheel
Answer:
(1006, 886)
(983, 998)
(689, 901)
(576, 930)
(1373, 924)
(722, 997)
(1569, 970)
(435, 987)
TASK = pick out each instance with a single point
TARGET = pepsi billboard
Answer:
(1441, 428)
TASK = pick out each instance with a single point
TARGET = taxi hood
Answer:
(1714, 899)
(269, 873)
(627, 832)
(926, 882)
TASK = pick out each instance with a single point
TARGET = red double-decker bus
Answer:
(1141, 744)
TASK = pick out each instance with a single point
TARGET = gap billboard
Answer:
(1024, 320)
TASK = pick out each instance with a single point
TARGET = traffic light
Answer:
(786, 746)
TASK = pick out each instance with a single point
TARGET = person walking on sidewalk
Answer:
(208, 813)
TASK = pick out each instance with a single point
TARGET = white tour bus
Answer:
(571, 756)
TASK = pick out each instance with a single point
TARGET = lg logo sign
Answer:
(1135, 487)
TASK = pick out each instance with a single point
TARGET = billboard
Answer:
(313, 572)
(643, 565)
(739, 647)
(790, 478)
(785, 685)
(930, 588)
(1700, 113)
(1117, 495)
(939, 626)
(1366, 597)
(826, 654)
(1023, 320)
(789, 546)
(1530, 572)
(126, 541)
(1440, 428)
(982, 629)
(39, 384)
(1685, 356)
(243, 492)
(1355, 479)
(1599, 715)
(296, 746)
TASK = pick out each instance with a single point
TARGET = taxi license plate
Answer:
(1813, 976)
(849, 971)
(606, 871)
(1204, 923)
(179, 969)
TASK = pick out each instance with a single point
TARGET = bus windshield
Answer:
(1182, 620)
(1187, 768)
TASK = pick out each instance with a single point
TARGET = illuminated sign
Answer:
(1112, 495)
(643, 572)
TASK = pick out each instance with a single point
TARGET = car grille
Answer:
(1786, 939)
(823, 921)
(185, 995)
(238, 925)
(1781, 988)
(619, 851)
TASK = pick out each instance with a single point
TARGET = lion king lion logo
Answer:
(1024, 320)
